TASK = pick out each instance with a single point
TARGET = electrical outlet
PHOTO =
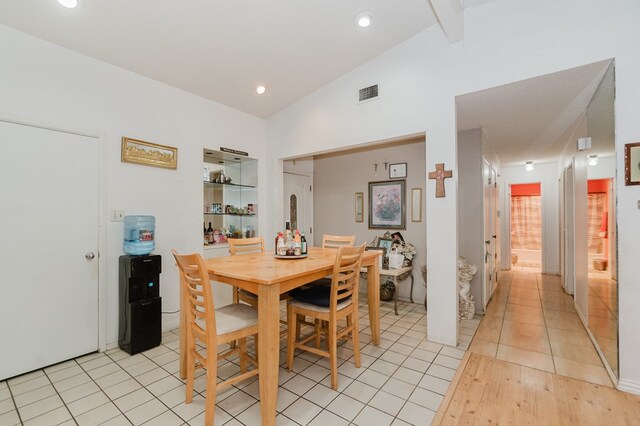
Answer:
(117, 215)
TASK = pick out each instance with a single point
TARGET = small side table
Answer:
(394, 274)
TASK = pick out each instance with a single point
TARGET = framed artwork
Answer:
(387, 205)
(383, 252)
(397, 170)
(149, 154)
(416, 205)
(385, 243)
(359, 206)
(632, 164)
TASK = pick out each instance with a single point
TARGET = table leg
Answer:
(268, 350)
(411, 292)
(395, 294)
(373, 296)
(183, 331)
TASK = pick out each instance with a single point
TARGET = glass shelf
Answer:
(229, 184)
(228, 214)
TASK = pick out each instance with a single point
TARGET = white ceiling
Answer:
(530, 119)
(222, 49)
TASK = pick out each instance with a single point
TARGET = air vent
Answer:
(368, 93)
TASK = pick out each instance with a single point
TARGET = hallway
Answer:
(531, 321)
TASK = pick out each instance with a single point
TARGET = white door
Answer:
(48, 248)
(488, 232)
(569, 231)
(298, 204)
(495, 237)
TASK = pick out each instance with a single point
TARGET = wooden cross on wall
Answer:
(440, 174)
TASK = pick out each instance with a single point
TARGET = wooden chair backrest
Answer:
(346, 276)
(197, 295)
(246, 245)
(337, 241)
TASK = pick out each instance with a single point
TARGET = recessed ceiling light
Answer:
(69, 4)
(260, 89)
(593, 160)
(364, 19)
(528, 166)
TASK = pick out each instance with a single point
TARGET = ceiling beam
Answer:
(450, 17)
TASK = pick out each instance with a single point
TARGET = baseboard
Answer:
(629, 386)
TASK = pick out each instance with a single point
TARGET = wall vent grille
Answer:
(368, 93)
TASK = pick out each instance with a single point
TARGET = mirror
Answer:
(416, 205)
(359, 206)
(602, 255)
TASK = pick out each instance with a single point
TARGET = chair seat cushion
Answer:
(234, 317)
(316, 308)
(314, 295)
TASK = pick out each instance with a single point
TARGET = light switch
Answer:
(117, 215)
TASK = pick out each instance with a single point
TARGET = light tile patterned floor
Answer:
(401, 382)
(531, 321)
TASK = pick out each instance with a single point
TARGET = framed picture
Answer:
(387, 205)
(385, 243)
(359, 206)
(632, 164)
(398, 170)
(149, 154)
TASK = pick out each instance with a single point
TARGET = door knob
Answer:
(89, 255)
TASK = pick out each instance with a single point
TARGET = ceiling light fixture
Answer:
(528, 166)
(364, 19)
(260, 89)
(69, 4)
(593, 160)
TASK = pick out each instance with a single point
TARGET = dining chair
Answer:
(245, 246)
(337, 241)
(212, 327)
(327, 306)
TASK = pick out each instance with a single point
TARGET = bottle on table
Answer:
(303, 243)
(281, 248)
(297, 244)
(210, 233)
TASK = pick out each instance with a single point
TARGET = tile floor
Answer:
(401, 382)
(531, 321)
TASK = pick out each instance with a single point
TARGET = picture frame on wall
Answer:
(359, 207)
(632, 164)
(387, 205)
(397, 170)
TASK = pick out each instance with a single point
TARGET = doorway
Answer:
(49, 222)
(526, 226)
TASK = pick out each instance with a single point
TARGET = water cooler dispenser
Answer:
(140, 303)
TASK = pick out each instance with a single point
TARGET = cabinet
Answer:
(230, 196)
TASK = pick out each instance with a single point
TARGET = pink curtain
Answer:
(526, 222)
(595, 217)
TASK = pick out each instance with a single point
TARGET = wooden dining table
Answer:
(268, 277)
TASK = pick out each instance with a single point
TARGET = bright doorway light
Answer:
(528, 166)
(69, 4)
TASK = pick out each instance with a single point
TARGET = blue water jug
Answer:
(139, 234)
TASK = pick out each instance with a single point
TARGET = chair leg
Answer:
(332, 343)
(298, 326)
(191, 347)
(292, 330)
(210, 402)
(317, 322)
(356, 340)
(243, 354)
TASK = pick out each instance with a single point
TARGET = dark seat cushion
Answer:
(315, 295)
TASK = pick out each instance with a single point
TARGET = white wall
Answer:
(505, 41)
(547, 174)
(337, 177)
(45, 84)
(471, 207)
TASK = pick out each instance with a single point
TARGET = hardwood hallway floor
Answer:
(531, 322)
